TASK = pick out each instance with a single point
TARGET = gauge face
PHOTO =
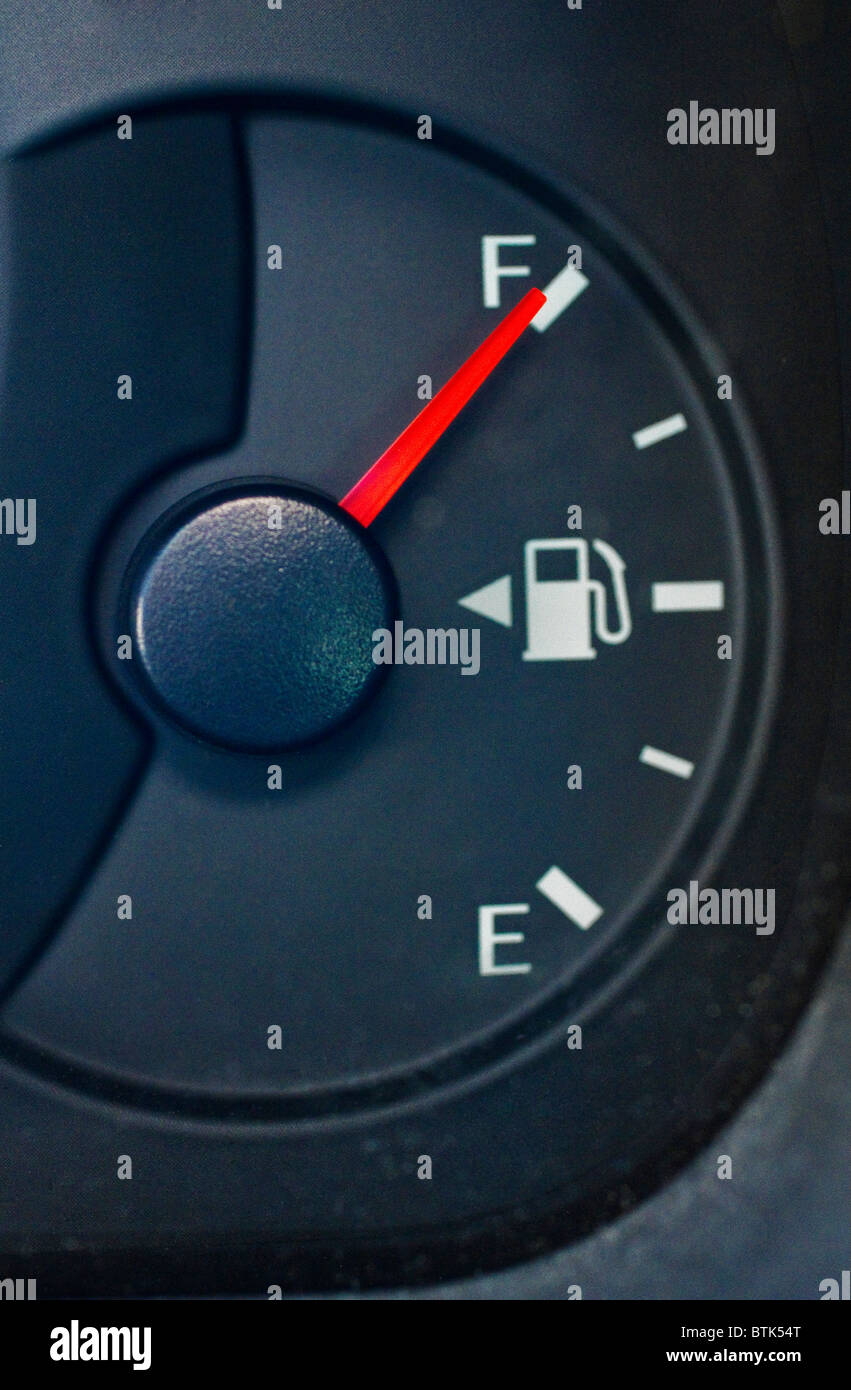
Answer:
(352, 909)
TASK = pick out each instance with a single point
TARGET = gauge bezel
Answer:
(378, 1251)
(757, 683)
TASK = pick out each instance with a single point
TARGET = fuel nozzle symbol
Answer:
(563, 602)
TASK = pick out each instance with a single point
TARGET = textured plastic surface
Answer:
(102, 278)
(601, 131)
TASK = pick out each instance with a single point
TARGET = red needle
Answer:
(387, 474)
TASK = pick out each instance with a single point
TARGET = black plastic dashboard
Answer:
(225, 311)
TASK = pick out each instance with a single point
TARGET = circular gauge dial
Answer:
(411, 895)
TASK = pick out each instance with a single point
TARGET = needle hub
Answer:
(252, 613)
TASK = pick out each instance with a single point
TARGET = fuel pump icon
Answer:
(562, 600)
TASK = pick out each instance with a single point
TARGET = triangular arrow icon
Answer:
(493, 601)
